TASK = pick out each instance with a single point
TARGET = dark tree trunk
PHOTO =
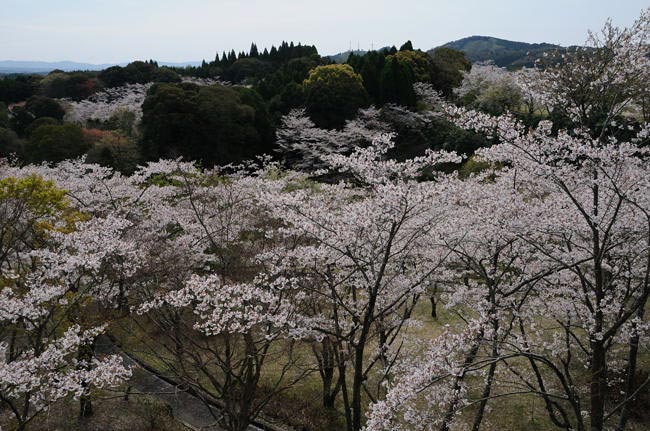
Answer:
(598, 385)
(630, 383)
(434, 312)
(85, 356)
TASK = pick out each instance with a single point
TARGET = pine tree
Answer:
(253, 51)
(408, 46)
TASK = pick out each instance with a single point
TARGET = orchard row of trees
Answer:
(243, 282)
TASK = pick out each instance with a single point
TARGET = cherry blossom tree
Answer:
(489, 88)
(47, 258)
(215, 305)
(303, 145)
(366, 258)
(575, 205)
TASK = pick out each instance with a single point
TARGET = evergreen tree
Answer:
(396, 83)
(408, 46)
(253, 51)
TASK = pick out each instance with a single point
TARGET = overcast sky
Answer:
(103, 31)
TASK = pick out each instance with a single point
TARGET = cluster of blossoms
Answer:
(544, 256)
(550, 248)
(203, 81)
(102, 105)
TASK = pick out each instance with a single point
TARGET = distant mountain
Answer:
(342, 57)
(10, 66)
(504, 53)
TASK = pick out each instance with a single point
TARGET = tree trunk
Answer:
(598, 385)
(85, 356)
(631, 375)
(434, 312)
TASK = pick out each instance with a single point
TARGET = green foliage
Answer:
(216, 124)
(419, 62)
(41, 106)
(498, 99)
(247, 69)
(48, 206)
(504, 53)
(17, 88)
(165, 74)
(20, 119)
(137, 72)
(472, 166)
(4, 115)
(123, 120)
(370, 69)
(114, 76)
(115, 150)
(437, 134)
(35, 108)
(43, 121)
(448, 66)
(54, 143)
(333, 94)
(408, 46)
(77, 85)
(396, 83)
(10, 143)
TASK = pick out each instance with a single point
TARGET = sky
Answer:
(114, 31)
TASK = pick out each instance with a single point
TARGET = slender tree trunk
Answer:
(327, 368)
(346, 400)
(85, 356)
(357, 383)
(487, 389)
(598, 385)
(434, 312)
(630, 378)
(451, 408)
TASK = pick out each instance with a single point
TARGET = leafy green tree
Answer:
(448, 67)
(20, 119)
(419, 62)
(165, 74)
(54, 143)
(333, 94)
(18, 88)
(114, 76)
(41, 106)
(371, 66)
(408, 46)
(246, 68)
(253, 52)
(54, 84)
(10, 143)
(4, 116)
(43, 121)
(140, 72)
(396, 83)
(214, 124)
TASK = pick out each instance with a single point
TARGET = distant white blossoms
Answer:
(101, 106)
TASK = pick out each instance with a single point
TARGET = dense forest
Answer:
(406, 241)
(231, 120)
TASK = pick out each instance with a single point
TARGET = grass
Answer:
(301, 407)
